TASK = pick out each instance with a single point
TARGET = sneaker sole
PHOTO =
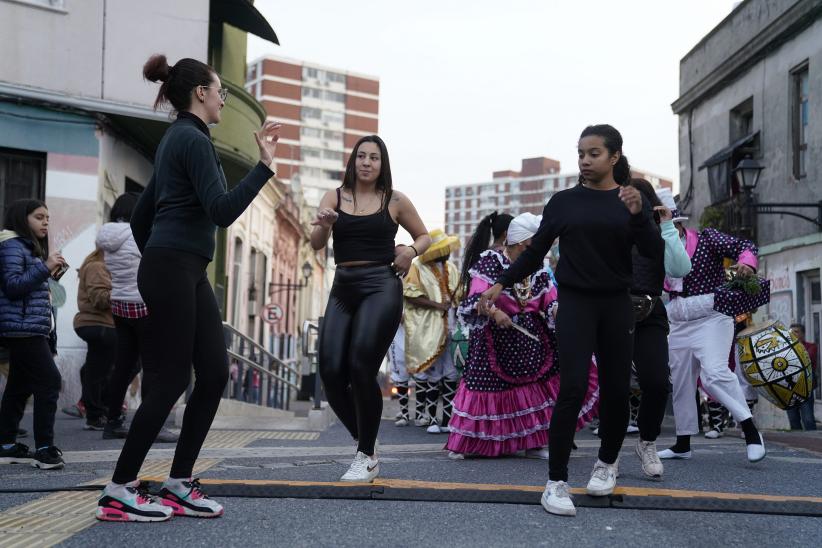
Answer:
(48, 466)
(600, 493)
(373, 475)
(16, 460)
(557, 511)
(112, 514)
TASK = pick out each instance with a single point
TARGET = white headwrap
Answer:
(522, 227)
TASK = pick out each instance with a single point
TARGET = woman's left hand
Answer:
(631, 198)
(267, 138)
(403, 255)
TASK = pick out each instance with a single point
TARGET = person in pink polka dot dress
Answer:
(700, 336)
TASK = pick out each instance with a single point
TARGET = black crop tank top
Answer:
(364, 237)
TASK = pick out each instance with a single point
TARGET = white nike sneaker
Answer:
(556, 499)
(364, 469)
(603, 479)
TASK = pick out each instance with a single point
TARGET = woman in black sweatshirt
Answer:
(598, 222)
(174, 224)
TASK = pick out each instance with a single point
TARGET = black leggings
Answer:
(31, 372)
(185, 327)
(363, 314)
(591, 323)
(653, 373)
(101, 341)
(132, 351)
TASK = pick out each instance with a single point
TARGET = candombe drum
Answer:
(775, 363)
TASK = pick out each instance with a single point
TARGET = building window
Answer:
(311, 132)
(334, 96)
(309, 113)
(741, 120)
(335, 77)
(799, 118)
(22, 175)
(309, 72)
(311, 92)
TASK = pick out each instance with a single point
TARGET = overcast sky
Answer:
(470, 87)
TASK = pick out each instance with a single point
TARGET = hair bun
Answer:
(156, 68)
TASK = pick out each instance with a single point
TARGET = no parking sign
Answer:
(272, 313)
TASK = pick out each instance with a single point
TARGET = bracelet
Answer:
(416, 253)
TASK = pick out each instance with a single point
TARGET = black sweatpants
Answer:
(31, 372)
(101, 341)
(653, 373)
(600, 324)
(363, 313)
(132, 351)
(185, 328)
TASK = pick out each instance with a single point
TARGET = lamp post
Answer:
(307, 271)
(749, 171)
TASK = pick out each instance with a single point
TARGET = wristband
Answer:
(416, 253)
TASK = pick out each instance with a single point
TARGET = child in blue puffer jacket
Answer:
(25, 326)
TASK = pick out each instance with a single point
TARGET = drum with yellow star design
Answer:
(776, 363)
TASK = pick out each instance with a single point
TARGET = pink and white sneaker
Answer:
(130, 502)
(186, 498)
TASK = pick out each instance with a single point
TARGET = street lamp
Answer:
(749, 171)
(307, 271)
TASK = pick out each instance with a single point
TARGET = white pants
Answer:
(443, 368)
(698, 347)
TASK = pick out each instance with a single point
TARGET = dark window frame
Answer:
(37, 186)
(799, 169)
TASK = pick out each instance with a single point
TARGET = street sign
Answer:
(272, 313)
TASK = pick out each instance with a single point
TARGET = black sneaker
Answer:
(19, 454)
(115, 429)
(95, 424)
(49, 458)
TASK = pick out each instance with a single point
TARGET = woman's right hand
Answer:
(54, 260)
(487, 299)
(326, 217)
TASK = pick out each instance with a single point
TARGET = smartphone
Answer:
(58, 272)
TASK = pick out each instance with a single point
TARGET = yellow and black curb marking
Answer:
(623, 497)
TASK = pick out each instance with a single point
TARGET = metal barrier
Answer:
(277, 378)
(310, 344)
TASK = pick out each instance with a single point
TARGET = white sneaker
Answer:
(402, 421)
(425, 421)
(632, 429)
(453, 455)
(434, 429)
(537, 453)
(556, 499)
(649, 459)
(603, 479)
(130, 502)
(756, 451)
(445, 429)
(669, 454)
(186, 498)
(713, 434)
(595, 431)
(364, 469)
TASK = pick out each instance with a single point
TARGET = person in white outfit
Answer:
(700, 337)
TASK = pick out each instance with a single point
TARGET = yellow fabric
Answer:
(426, 329)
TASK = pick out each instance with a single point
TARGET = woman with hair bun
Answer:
(599, 222)
(173, 224)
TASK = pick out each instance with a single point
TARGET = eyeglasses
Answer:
(223, 92)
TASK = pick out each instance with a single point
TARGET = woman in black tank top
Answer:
(365, 304)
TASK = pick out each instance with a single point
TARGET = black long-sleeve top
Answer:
(597, 233)
(187, 197)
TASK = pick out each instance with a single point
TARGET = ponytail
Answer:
(478, 243)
